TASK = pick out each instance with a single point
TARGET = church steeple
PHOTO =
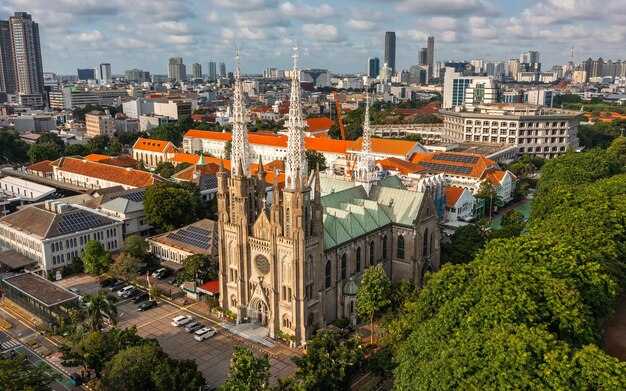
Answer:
(366, 164)
(240, 153)
(296, 157)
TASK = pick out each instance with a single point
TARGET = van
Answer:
(159, 273)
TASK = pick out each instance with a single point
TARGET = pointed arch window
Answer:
(358, 259)
(384, 247)
(400, 249)
(343, 266)
(327, 274)
(425, 243)
(372, 253)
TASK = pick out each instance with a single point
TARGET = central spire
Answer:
(296, 157)
(240, 153)
(366, 165)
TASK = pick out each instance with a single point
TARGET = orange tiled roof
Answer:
(478, 169)
(107, 172)
(261, 109)
(42, 166)
(147, 144)
(274, 165)
(121, 161)
(94, 157)
(453, 194)
(602, 117)
(319, 124)
(326, 145)
(404, 167)
(387, 146)
(203, 169)
(212, 167)
(185, 158)
(494, 176)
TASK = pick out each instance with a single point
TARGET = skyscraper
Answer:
(105, 73)
(390, 50)
(176, 70)
(430, 56)
(422, 58)
(196, 71)
(86, 73)
(222, 69)
(212, 71)
(530, 57)
(21, 69)
(373, 67)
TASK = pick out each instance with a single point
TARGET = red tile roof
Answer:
(185, 158)
(125, 176)
(404, 167)
(42, 166)
(453, 194)
(494, 176)
(147, 144)
(478, 168)
(319, 124)
(121, 161)
(386, 146)
(94, 157)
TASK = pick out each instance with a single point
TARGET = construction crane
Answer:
(339, 119)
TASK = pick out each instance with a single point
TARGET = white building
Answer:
(460, 204)
(138, 107)
(152, 152)
(23, 191)
(527, 127)
(54, 234)
(482, 89)
(151, 121)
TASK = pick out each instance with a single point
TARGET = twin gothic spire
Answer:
(240, 152)
(296, 169)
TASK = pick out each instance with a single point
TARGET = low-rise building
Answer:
(125, 205)
(100, 124)
(22, 191)
(152, 152)
(460, 204)
(55, 233)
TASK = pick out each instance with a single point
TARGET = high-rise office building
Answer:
(390, 50)
(196, 71)
(105, 73)
(86, 73)
(530, 57)
(21, 69)
(135, 75)
(430, 58)
(373, 67)
(212, 74)
(422, 58)
(176, 70)
(222, 69)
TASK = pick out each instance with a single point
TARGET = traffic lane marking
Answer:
(13, 315)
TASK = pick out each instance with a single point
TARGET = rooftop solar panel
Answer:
(456, 158)
(78, 221)
(447, 168)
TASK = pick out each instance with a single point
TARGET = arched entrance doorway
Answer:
(259, 312)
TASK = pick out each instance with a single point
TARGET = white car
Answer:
(124, 291)
(181, 320)
(204, 333)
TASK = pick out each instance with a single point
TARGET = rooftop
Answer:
(197, 238)
(40, 289)
(122, 175)
(146, 144)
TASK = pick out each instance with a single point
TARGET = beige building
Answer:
(100, 124)
(531, 129)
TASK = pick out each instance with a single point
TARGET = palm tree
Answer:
(99, 306)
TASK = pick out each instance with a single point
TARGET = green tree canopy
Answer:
(228, 148)
(314, 158)
(464, 244)
(40, 152)
(125, 267)
(512, 224)
(95, 258)
(131, 368)
(164, 169)
(374, 295)
(93, 317)
(12, 148)
(618, 149)
(247, 372)
(198, 266)
(99, 144)
(17, 373)
(51, 139)
(168, 206)
(135, 246)
(76, 149)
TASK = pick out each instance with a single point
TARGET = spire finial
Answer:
(295, 55)
(296, 157)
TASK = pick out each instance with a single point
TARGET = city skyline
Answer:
(78, 34)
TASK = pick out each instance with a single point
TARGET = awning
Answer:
(14, 260)
(175, 266)
(210, 288)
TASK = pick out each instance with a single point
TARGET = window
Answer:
(286, 322)
(425, 243)
(400, 251)
(358, 259)
(372, 253)
(385, 247)
(327, 274)
(343, 266)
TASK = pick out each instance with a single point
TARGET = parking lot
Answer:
(212, 356)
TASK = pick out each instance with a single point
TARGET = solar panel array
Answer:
(447, 168)
(208, 182)
(456, 158)
(78, 221)
(195, 236)
(135, 196)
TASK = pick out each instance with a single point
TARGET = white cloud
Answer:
(245, 4)
(213, 17)
(448, 7)
(252, 34)
(412, 35)
(442, 23)
(87, 36)
(306, 12)
(448, 36)
(322, 32)
(179, 39)
(557, 11)
(173, 27)
(479, 27)
(362, 25)
(261, 18)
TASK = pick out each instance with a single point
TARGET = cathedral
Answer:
(291, 259)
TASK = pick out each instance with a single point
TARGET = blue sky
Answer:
(338, 35)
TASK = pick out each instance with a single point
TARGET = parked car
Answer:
(143, 269)
(181, 320)
(204, 333)
(108, 282)
(193, 326)
(159, 273)
(125, 291)
(172, 280)
(74, 290)
(146, 305)
(142, 296)
(117, 286)
(133, 293)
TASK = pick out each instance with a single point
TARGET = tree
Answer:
(95, 258)
(464, 244)
(328, 363)
(51, 139)
(487, 192)
(99, 307)
(373, 296)
(125, 267)
(618, 149)
(171, 374)
(114, 147)
(168, 132)
(169, 206)
(99, 144)
(513, 223)
(164, 169)
(314, 158)
(198, 266)
(154, 291)
(12, 148)
(247, 372)
(16, 373)
(228, 148)
(76, 150)
(135, 246)
(181, 166)
(131, 368)
(40, 152)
